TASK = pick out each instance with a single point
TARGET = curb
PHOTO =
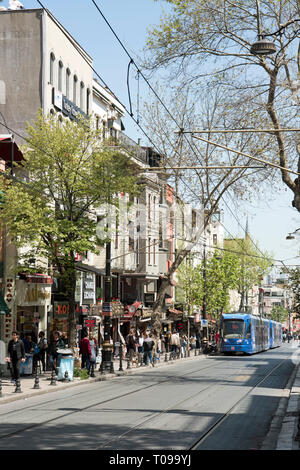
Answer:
(289, 430)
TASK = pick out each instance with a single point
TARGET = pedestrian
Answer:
(85, 350)
(131, 343)
(148, 346)
(184, 345)
(16, 354)
(42, 346)
(94, 349)
(174, 343)
(56, 344)
(140, 348)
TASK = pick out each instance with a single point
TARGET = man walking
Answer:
(148, 346)
(16, 355)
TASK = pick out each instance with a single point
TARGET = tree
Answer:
(293, 283)
(203, 188)
(251, 268)
(211, 41)
(279, 313)
(52, 216)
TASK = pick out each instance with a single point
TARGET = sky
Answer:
(270, 220)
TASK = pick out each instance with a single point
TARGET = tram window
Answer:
(248, 332)
(233, 328)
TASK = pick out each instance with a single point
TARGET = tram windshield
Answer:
(233, 329)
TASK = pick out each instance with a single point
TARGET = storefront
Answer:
(33, 302)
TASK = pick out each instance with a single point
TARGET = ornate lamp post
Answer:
(107, 351)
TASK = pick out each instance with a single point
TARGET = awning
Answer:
(174, 311)
(132, 309)
(127, 317)
(9, 151)
(36, 278)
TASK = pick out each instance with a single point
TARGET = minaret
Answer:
(247, 233)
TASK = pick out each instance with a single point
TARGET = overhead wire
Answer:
(142, 75)
(162, 103)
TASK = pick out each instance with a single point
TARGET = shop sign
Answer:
(61, 310)
(33, 294)
(68, 108)
(90, 322)
(88, 288)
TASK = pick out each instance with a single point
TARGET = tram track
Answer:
(220, 420)
(148, 419)
(80, 410)
(175, 405)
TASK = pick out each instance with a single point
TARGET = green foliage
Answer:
(293, 283)
(279, 313)
(237, 267)
(70, 173)
(81, 373)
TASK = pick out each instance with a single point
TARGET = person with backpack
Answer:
(148, 346)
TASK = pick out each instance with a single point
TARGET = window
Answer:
(82, 96)
(88, 94)
(60, 75)
(149, 250)
(194, 218)
(149, 206)
(68, 76)
(215, 239)
(75, 80)
(154, 252)
(52, 62)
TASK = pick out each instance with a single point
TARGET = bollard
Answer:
(18, 386)
(121, 358)
(53, 378)
(66, 375)
(101, 367)
(128, 364)
(36, 381)
(111, 370)
(92, 369)
(166, 357)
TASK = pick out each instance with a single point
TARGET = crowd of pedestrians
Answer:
(140, 348)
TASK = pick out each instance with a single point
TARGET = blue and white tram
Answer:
(248, 334)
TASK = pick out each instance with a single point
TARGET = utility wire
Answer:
(141, 74)
(156, 95)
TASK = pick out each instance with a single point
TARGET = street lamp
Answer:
(263, 46)
(290, 236)
(107, 350)
(204, 292)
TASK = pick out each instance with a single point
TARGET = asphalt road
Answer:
(219, 402)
